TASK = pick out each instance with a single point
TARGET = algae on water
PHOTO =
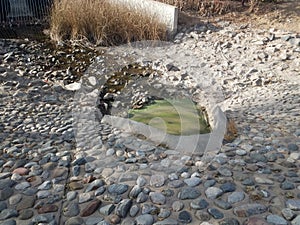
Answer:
(175, 116)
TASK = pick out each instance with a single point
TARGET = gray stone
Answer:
(135, 191)
(123, 207)
(71, 209)
(93, 220)
(164, 213)
(157, 180)
(84, 197)
(224, 172)
(8, 213)
(9, 222)
(177, 206)
(145, 219)
(107, 210)
(217, 214)
(117, 188)
(248, 210)
(184, 217)
(157, 198)
(236, 197)
(75, 221)
(223, 204)
(6, 193)
(25, 214)
(168, 221)
(15, 199)
(229, 221)
(142, 197)
(286, 185)
(293, 204)
(275, 219)
(189, 193)
(71, 195)
(213, 192)
(199, 204)
(193, 181)
(3, 205)
(296, 221)
(141, 181)
(228, 187)
(288, 213)
(6, 183)
(134, 210)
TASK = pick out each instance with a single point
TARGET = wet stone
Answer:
(199, 204)
(249, 210)
(215, 213)
(145, 219)
(25, 214)
(275, 219)
(184, 217)
(213, 192)
(189, 193)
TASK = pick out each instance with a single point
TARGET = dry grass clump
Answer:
(231, 131)
(102, 23)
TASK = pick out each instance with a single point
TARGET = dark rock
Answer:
(9, 222)
(6, 193)
(25, 214)
(228, 187)
(117, 188)
(223, 204)
(123, 207)
(5, 183)
(189, 193)
(26, 203)
(184, 217)
(107, 210)
(8, 213)
(286, 185)
(293, 147)
(199, 204)
(217, 214)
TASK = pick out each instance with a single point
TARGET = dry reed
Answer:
(102, 23)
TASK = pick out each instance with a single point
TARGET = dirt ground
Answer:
(283, 15)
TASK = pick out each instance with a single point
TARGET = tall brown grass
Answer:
(102, 23)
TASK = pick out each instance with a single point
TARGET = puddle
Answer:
(175, 116)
